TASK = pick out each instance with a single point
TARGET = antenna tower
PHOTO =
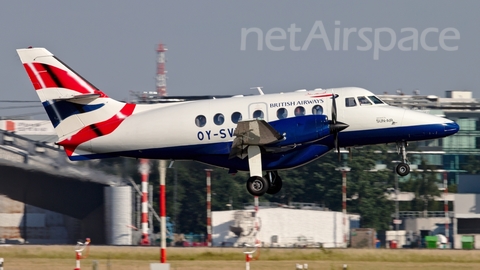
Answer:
(161, 81)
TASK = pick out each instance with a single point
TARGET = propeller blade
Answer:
(335, 141)
(336, 127)
(334, 109)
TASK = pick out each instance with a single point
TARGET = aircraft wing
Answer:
(252, 132)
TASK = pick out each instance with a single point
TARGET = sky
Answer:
(228, 47)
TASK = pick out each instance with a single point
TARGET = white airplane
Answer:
(261, 133)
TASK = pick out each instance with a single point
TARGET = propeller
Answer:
(336, 126)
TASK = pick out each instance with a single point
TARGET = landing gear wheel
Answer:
(275, 182)
(257, 185)
(403, 169)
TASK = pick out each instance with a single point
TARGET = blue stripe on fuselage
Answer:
(217, 153)
(396, 134)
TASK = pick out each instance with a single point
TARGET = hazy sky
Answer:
(286, 45)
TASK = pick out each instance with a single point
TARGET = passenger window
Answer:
(200, 120)
(317, 109)
(236, 117)
(350, 102)
(375, 100)
(282, 113)
(218, 119)
(299, 111)
(364, 101)
(258, 114)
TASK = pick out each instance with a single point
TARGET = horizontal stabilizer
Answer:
(79, 97)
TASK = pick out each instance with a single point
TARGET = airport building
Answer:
(276, 225)
(466, 219)
(452, 155)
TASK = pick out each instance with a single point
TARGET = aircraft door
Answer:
(258, 110)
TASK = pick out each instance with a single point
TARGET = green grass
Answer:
(236, 254)
(120, 258)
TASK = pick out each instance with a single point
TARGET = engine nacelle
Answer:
(301, 129)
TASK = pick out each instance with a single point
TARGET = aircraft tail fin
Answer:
(77, 109)
(52, 79)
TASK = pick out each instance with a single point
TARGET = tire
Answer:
(403, 169)
(257, 185)
(276, 187)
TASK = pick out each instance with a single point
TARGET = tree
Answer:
(370, 186)
(318, 182)
(471, 165)
(424, 185)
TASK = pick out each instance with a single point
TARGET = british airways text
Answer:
(296, 103)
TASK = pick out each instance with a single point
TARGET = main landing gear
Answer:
(271, 183)
(257, 185)
(402, 168)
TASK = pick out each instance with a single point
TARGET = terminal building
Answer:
(457, 156)
(466, 219)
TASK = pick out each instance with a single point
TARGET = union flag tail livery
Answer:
(261, 134)
(77, 109)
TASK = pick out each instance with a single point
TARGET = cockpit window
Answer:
(258, 114)
(200, 120)
(236, 117)
(282, 113)
(317, 109)
(350, 102)
(299, 111)
(218, 119)
(375, 100)
(364, 101)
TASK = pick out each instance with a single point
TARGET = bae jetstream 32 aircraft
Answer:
(261, 133)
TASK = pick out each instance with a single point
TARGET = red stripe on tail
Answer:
(51, 76)
(33, 78)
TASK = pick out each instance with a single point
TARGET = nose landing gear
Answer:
(402, 168)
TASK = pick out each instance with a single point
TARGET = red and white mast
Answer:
(344, 206)
(344, 171)
(163, 212)
(161, 84)
(445, 206)
(257, 227)
(144, 169)
(161, 80)
(209, 207)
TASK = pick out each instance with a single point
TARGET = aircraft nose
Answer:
(451, 128)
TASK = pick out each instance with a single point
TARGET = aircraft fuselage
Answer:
(170, 132)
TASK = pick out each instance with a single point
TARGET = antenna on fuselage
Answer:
(259, 88)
